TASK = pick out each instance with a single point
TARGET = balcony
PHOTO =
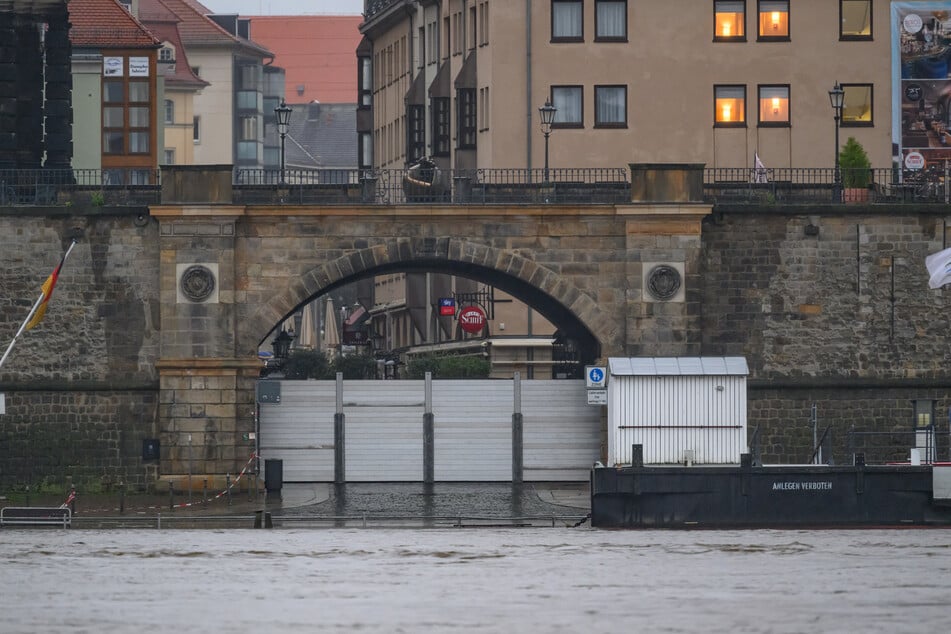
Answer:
(721, 187)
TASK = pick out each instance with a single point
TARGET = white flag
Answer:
(759, 170)
(939, 268)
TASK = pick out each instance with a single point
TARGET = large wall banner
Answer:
(921, 88)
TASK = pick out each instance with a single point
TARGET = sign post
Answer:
(472, 319)
(595, 380)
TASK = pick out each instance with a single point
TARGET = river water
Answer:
(473, 580)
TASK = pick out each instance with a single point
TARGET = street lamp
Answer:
(281, 345)
(283, 113)
(837, 97)
(547, 115)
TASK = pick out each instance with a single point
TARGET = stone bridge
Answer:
(582, 267)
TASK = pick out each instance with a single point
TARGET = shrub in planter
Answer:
(854, 164)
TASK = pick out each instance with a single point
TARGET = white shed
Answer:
(681, 410)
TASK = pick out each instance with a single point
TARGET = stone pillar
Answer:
(206, 400)
(663, 244)
(59, 86)
(29, 104)
(8, 90)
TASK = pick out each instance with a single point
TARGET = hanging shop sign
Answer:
(472, 319)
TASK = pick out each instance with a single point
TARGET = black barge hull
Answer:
(768, 497)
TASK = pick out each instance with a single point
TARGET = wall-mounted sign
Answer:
(914, 160)
(112, 66)
(138, 67)
(447, 306)
(472, 319)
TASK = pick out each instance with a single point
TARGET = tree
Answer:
(855, 165)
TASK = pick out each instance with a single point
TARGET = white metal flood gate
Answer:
(440, 430)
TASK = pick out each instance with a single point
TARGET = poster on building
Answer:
(112, 66)
(921, 94)
(138, 67)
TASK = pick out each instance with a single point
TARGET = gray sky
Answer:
(286, 7)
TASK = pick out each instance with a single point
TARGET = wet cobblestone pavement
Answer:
(484, 500)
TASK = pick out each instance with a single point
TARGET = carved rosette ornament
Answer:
(663, 282)
(197, 283)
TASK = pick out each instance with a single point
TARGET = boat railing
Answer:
(924, 446)
(822, 452)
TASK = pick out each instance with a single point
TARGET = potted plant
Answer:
(856, 171)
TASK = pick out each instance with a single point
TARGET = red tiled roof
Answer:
(197, 30)
(106, 24)
(163, 22)
(317, 52)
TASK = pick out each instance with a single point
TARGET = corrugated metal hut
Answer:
(681, 410)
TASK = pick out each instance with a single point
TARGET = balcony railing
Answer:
(722, 187)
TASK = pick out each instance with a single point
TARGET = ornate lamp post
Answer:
(282, 345)
(283, 113)
(547, 116)
(836, 98)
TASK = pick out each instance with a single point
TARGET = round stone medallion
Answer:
(663, 282)
(197, 283)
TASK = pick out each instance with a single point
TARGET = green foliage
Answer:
(855, 165)
(355, 366)
(307, 364)
(449, 367)
(97, 199)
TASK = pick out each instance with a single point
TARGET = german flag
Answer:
(47, 291)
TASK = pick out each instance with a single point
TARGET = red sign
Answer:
(447, 306)
(472, 319)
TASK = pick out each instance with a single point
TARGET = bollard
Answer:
(267, 521)
(121, 498)
(258, 515)
(204, 492)
(228, 487)
(72, 501)
(171, 495)
(27, 495)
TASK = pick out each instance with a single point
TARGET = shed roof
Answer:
(677, 366)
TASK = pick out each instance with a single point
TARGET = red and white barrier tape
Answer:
(244, 470)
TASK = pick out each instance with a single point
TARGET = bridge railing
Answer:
(721, 186)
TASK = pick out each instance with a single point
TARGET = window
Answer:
(610, 106)
(855, 19)
(196, 71)
(924, 414)
(196, 129)
(440, 110)
(774, 106)
(169, 157)
(857, 105)
(471, 28)
(729, 21)
(483, 109)
(610, 21)
(773, 20)
(126, 116)
(483, 24)
(567, 21)
(421, 40)
(166, 54)
(169, 111)
(366, 150)
(467, 118)
(729, 106)
(446, 49)
(366, 82)
(416, 133)
(568, 102)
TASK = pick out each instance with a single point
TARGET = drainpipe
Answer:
(528, 83)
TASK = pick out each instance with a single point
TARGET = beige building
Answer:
(712, 82)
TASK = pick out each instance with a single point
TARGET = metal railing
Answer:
(563, 186)
(891, 447)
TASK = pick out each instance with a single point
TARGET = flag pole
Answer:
(33, 310)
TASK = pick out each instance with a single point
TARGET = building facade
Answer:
(715, 82)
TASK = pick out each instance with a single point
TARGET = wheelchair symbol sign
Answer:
(595, 376)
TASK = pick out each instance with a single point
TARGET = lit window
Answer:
(857, 105)
(856, 19)
(566, 21)
(729, 106)
(729, 21)
(610, 106)
(774, 19)
(774, 106)
(568, 106)
(610, 21)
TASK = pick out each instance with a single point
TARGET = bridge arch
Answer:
(553, 295)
